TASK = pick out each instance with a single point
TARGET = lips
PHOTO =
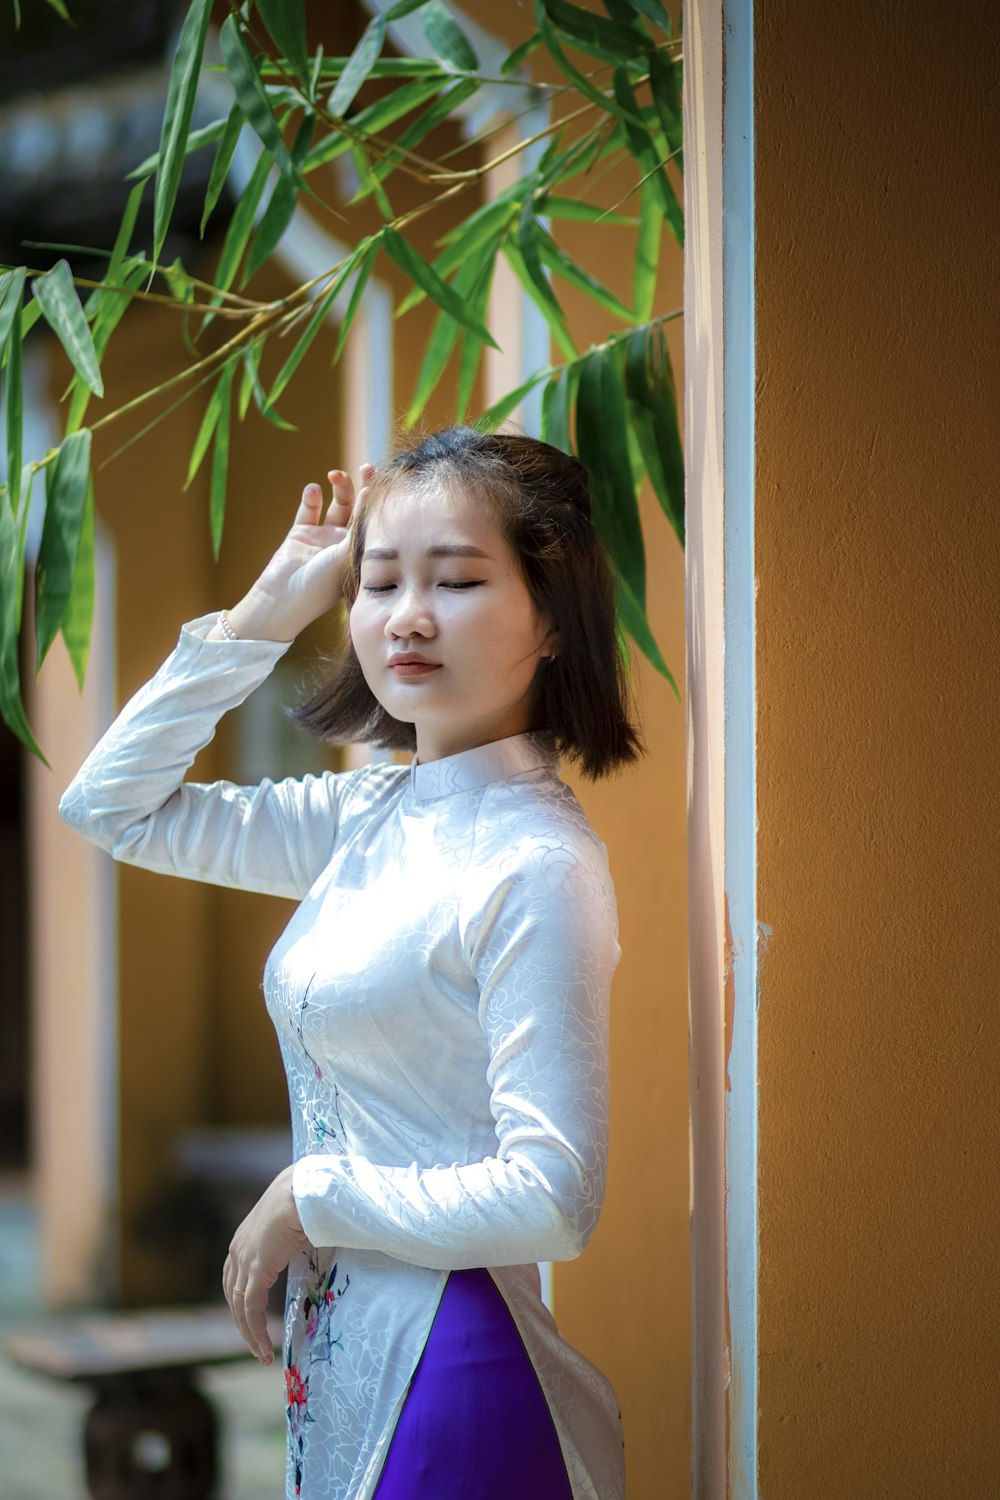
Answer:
(409, 664)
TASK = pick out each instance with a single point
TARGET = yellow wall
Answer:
(877, 551)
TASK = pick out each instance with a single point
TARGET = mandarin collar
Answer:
(471, 769)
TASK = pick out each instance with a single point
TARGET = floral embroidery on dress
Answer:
(317, 1308)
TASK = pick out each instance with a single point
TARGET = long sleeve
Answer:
(542, 943)
(129, 796)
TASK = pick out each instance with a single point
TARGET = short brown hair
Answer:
(542, 500)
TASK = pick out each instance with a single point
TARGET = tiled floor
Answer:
(40, 1419)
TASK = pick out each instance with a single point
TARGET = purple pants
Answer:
(475, 1424)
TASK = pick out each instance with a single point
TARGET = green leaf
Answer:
(603, 447)
(111, 304)
(65, 497)
(238, 233)
(664, 82)
(557, 402)
(404, 8)
(369, 183)
(203, 136)
(557, 326)
(60, 304)
(472, 347)
(448, 39)
(414, 265)
(570, 271)
(575, 208)
(514, 59)
(654, 11)
(210, 420)
(285, 20)
(633, 617)
(252, 99)
(177, 117)
(79, 617)
(446, 102)
(14, 414)
(501, 410)
(60, 10)
(220, 459)
(611, 40)
(652, 400)
(251, 385)
(11, 590)
(646, 264)
(280, 209)
(11, 289)
(529, 235)
(373, 119)
(444, 336)
(357, 291)
(222, 162)
(359, 65)
(606, 102)
(643, 148)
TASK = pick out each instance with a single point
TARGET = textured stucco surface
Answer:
(877, 557)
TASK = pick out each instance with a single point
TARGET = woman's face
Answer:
(445, 630)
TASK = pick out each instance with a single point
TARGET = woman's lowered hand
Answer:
(261, 1248)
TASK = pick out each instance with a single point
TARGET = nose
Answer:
(410, 614)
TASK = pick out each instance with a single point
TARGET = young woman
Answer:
(441, 991)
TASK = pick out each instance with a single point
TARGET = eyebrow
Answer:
(390, 554)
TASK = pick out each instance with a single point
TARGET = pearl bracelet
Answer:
(225, 628)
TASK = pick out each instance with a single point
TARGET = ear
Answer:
(551, 643)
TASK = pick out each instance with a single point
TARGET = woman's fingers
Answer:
(310, 506)
(255, 1318)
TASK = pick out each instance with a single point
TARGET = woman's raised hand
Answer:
(304, 578)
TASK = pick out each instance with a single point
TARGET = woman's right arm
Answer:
(129, 795)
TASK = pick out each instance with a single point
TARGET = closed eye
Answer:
(467, 583)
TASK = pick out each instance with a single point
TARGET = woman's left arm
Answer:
(543, 945)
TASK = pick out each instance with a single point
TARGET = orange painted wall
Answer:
(877, 551)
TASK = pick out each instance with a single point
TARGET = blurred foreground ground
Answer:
(41, 1420)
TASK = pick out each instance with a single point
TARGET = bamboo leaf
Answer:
(557, 404)
(446, 102)
(444, 336)
(652, 400)
(472, 347)
(357, 291)
(448, 39)
(111, 304)
(65, 497)
(11, 590)
(177, 117)
(633, 617)
(654, 11)
(414, 265)
(210, 420)
(369, 183)
(554, 207)
(529, 234)
(664, 82)
(514, 59)
(359, 65)
(557, 326)
(251, 375)
(570, 271)
(13, 406)
(645, 266)
(79, 617)
(238, 233)
(603, 447)
(203, 136)
(280, 209)
(373, 119)
(220, 459)
(643, 148)
(501, 410)
(404, 8)
(222, 162)
(285, 20)
(60, 9)
(322, 307)
(11, 289)
(611, 40)
(606, 102)
(252, 99)
(61, 308)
